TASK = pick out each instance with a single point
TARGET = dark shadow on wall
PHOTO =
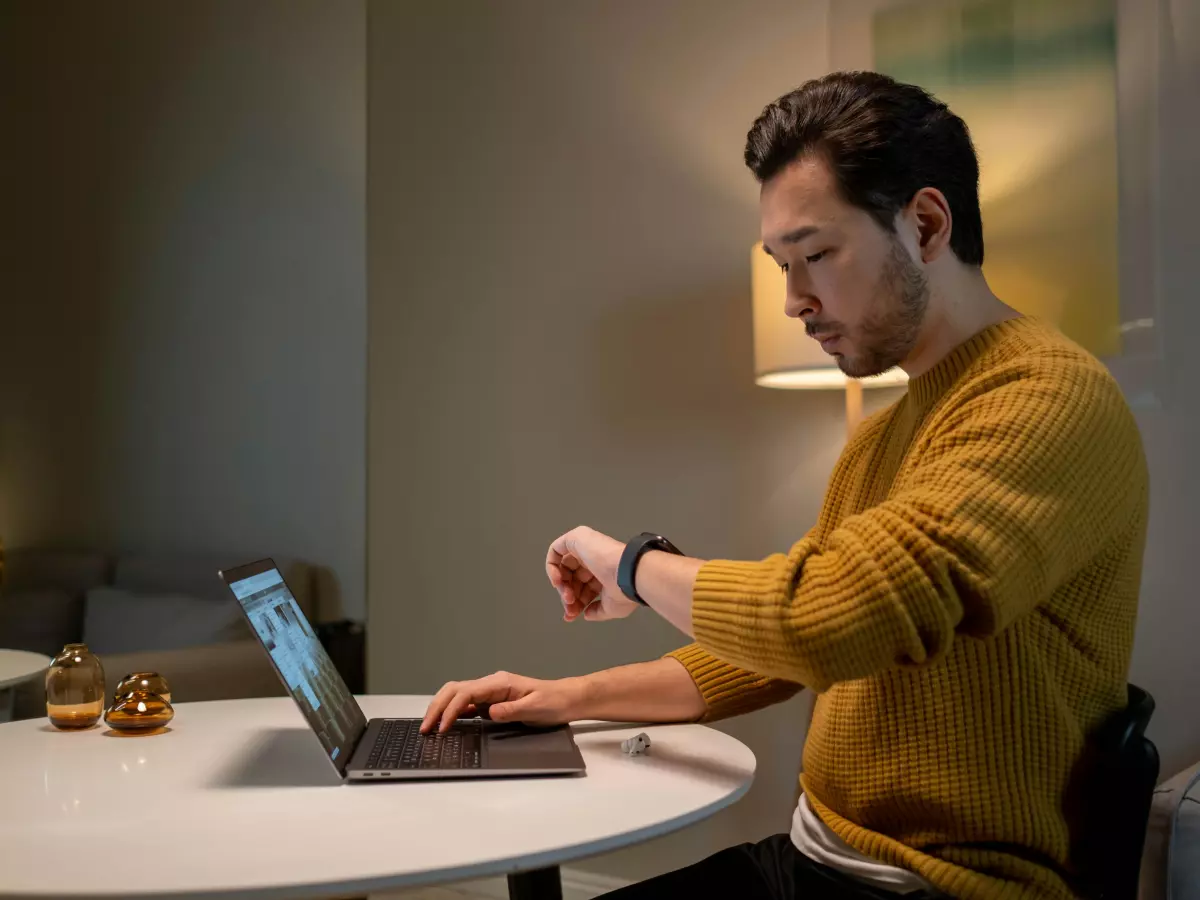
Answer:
(83, 104)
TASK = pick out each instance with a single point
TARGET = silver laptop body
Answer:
(382, 749)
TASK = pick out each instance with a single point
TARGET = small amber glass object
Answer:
(139, 711)
(75, 688)
(143, 681)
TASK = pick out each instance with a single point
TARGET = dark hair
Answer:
(883, 140)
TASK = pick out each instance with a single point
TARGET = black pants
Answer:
(769, 870)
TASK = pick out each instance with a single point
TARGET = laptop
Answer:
(383, 749)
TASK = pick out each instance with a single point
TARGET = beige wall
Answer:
(560, 333)
(184, 278)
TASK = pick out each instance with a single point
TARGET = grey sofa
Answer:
(169, 614)
(1171, 862)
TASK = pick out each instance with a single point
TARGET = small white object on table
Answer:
(239, 798)
(17, 667)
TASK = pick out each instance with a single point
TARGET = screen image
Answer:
(302, 662)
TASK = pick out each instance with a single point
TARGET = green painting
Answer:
(1035, 82)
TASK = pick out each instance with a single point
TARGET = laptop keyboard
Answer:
(400, 745)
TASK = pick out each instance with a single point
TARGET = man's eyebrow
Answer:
(799, 234)
(794, 236)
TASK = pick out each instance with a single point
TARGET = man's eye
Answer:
(816, 257)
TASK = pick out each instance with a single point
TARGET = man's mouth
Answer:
(827, 339)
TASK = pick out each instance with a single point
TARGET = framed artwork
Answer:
(1061, 101)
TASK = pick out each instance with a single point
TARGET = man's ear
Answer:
(930, 214)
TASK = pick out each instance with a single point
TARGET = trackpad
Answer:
(531, 748)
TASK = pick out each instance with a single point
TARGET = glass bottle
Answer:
(75, 688)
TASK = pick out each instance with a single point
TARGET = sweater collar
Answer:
(927, 387)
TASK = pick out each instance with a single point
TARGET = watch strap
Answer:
(635, 549)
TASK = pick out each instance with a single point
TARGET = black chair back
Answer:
(1117, 778)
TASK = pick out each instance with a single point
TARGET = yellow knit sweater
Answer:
(964, 609)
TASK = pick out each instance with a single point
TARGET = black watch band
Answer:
(634, 551)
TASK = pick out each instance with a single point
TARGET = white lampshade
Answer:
(784, 356)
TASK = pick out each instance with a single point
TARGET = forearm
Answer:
(665, 581)
(657, 691)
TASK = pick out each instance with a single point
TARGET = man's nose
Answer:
(799, 299)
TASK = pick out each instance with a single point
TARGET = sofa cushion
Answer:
(223, 671)
(1185, 846)
(196, 576)
(124, 621)
(1171, 861)
(41, 620)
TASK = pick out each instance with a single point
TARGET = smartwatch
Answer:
(634, 551)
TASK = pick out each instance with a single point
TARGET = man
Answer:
(964, 608)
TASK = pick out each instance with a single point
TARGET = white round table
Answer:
(17, 666)
(238, 798)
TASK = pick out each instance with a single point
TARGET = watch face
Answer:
(661, 543)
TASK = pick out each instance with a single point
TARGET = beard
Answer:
(889, 333)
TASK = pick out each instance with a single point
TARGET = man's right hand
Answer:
(657, 691)
(505, 697)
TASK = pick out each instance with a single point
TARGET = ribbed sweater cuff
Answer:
(727, 690)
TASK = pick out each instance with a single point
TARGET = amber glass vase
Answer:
(139, 711)
(75, 688)
(143, 681)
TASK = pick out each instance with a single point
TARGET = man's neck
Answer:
(957, 311)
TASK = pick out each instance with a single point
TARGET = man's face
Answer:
(853, 284)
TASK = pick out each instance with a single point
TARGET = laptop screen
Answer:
(299, 658)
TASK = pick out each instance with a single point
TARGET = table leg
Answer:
(540, 884)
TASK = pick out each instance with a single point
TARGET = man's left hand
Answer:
(582, 566)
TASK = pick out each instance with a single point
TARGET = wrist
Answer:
(640, 576)
(635, 555)
(582, 692)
